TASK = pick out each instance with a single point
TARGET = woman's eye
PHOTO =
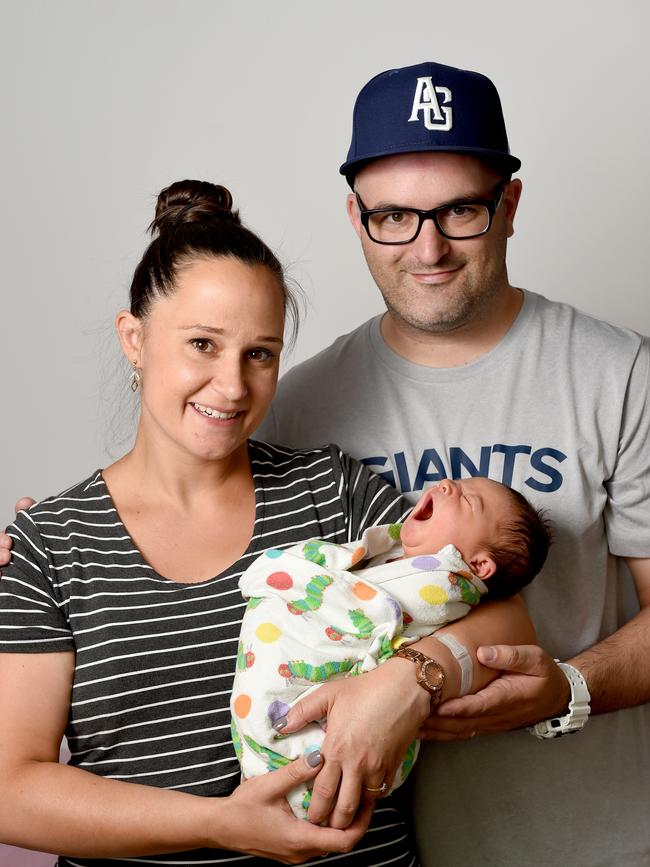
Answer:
(202, 344)
(260, 354)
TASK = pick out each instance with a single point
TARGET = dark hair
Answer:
(521, 549)
(195, 220)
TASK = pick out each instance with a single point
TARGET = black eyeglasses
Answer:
(457, 221)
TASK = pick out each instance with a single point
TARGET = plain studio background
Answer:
(104, 103)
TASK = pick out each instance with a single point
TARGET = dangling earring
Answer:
(134, 378)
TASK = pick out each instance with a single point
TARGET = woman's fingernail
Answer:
(489, 654)
(280, 724)
(313, 759)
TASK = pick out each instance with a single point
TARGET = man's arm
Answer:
(616, 671)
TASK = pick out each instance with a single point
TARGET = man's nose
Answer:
(430, 246)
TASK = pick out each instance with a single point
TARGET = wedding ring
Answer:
(381, 789)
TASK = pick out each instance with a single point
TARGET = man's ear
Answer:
(483, 565)
(129, 330)
(353, 213)
(511, 198)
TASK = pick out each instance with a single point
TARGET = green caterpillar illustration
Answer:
(314, 673)
(386, 649)
(314, 598)
(409, 759)
(468, 591)
(236, 740)
(273, 760)
(253, 602)
(313, 553)
(245, 658)
(361, 623)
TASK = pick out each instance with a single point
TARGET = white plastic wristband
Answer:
(463, 659)
(579, 709)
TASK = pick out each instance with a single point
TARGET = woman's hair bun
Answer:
(192, 202)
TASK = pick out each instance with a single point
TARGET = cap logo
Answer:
(435, 114)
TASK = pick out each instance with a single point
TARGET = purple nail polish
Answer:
(313, 759)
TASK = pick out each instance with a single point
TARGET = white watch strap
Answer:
(578, 711)
(464, 660)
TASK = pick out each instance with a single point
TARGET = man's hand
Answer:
(531, 688)
(5, 541)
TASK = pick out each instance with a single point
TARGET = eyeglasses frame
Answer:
(432, 214)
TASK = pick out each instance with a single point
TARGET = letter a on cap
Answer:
(425, 100)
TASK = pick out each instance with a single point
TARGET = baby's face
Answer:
(465, 513)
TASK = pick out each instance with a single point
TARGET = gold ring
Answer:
(381, 789)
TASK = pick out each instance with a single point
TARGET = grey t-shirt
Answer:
(559, 409)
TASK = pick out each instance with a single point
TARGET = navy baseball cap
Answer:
(428, 107)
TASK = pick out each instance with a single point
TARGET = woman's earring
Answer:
(135, 378)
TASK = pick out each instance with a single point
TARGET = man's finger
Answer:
(522, 658)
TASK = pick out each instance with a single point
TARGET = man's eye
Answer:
(393, 218)
(463, 211)
(202, 344)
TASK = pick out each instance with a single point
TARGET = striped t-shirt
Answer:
(155, 658)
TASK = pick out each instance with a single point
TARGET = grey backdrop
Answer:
(106, 102)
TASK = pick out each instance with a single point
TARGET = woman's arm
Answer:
(372, 719)
(61, 809)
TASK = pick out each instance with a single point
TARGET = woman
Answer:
(121, 609)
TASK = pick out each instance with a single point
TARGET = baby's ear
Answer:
(483, 565)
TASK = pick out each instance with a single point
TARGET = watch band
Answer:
(579, 709)
(430, 675)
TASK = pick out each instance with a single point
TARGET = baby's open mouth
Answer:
(423, 509)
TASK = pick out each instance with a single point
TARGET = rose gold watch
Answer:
(430, 674)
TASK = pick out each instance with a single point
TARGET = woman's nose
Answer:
(229, 380)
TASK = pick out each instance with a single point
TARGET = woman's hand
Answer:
(531, 688)
(5, 541)
(371, 721)
(259, 820)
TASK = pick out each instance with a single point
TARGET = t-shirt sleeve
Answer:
(31, 603)
(367, 499)
(627, 513)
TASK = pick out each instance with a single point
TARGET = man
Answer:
(466, 375)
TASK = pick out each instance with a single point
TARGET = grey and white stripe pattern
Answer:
(155, 658)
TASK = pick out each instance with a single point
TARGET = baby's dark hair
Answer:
(521, 548)
(195, 220)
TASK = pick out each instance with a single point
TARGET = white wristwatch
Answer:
(575, 719)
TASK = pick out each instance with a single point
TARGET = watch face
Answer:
(432, 675)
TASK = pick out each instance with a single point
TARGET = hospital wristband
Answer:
(464, 660)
